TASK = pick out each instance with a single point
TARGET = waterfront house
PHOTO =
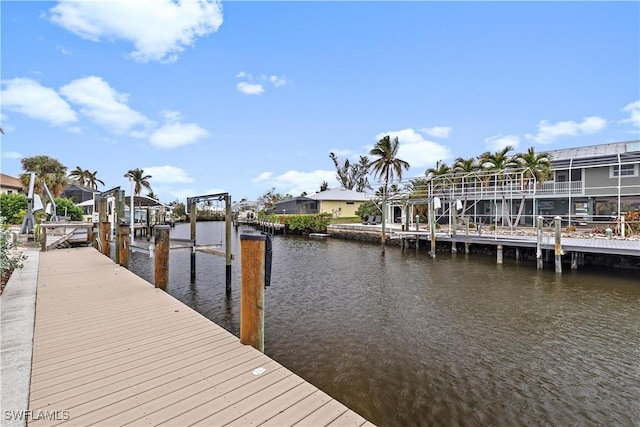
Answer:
(11, 185)
(339, 202)
(587, 184)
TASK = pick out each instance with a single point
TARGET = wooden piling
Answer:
(499, 254)
(161, 256)
(43, 239)
(466, 233)
(227, 243)
(432, 228)
(123, 243)
(252, 254)
(574, 260)
(539, 259)
(558, 245)
(192, 234)
(105, 234)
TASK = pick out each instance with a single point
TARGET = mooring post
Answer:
(252, 254)
(123, 242)
(105, 231)
(192, 236)
(118, 219)
(227, 242)
(43, 238)
(432, 227)
(499, 253)
(161, 256)
(466, 233)
(517, 253)
(539, 259)
(574, 260)
(558, 245)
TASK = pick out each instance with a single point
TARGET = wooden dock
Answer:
(110, 349)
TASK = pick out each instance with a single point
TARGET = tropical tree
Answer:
(465, 167)
(140, 179)
(352, 175)
(387, 166)
(48, 170)
(152, 195)
(86, 177)
(498, 163)
(324, 186)
(271, 197)
(537, 166)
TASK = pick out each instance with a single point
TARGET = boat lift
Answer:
(34, 204)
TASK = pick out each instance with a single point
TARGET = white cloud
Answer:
(264, 176)
(498, 142)
(277, 81)
(295, 182)
(158, 29)
(634, 114)
(547, 133)
(250, 88)
(167, 175)
(30, 98)
(437, 131)
(416, 150)
(11, 155)
(174, 133)
(101, 103)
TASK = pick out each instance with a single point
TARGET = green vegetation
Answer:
(8, 261)
(368, 208)
(65, 207)
(13, 207)
(305, 224)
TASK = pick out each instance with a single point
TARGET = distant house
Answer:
(78, 193)
(10, 185)
(339, 202)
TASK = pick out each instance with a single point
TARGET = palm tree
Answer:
(140, 180)
(465, 167)
(498, 163)
(388, 166)
(537, 166)
(48, 170)
(86, 177)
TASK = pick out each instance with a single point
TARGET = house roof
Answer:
(339, 194)
(600, 150)
(11, 182)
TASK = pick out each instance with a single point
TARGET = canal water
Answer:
(406, 340)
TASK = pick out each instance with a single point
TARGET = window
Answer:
(627, 170)
(351, 203)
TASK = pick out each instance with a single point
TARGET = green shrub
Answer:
(304, 224)
(8, 262)
(13, 207)
(367, 208)
(65, 207)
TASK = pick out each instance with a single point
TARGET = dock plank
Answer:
(110, 349)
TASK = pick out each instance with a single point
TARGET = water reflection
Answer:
(408, 340)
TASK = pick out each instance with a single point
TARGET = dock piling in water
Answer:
(161, 256)
(252, 254)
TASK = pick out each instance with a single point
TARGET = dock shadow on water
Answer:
(407, 340)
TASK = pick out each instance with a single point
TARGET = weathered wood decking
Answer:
(110, 349)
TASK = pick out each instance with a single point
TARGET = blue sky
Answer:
(242, 97)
